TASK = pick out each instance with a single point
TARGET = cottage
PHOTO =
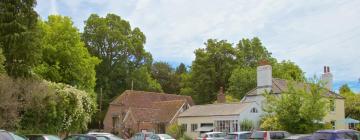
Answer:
(265, 82)
(223, 117)
(136, 111)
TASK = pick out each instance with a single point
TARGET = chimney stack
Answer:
(327, 78)
(221, 96)
(264, 77)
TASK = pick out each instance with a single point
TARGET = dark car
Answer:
(269, 135)
(85, 137)
(336, 135)
(42, 137)
(6, 135)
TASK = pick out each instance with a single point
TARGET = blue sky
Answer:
(310, 33)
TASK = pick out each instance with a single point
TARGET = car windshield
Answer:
(165, 136)
(348, 136)
(321, 136)
(219, 135)
(113, 137)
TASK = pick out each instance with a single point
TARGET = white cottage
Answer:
(221, 117)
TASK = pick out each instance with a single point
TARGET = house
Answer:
(265, 82)
(139, 111)
(222, 116)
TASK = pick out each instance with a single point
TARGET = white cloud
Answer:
(311, 33)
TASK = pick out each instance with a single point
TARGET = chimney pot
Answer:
(324, 69)
(328, 69)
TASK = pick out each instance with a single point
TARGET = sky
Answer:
(310, 33)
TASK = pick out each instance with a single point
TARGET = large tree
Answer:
(65, 58)
(19, 36)
(210, 70)
(122, 54)
(299, 108)
(352, 102)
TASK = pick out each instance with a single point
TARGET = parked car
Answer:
(336, 135)
(6, 135)
(212, 136)
(142, 136)
(42, 137)
(238, 135)
(85, 137)
(299, 137)
(160, 137)
(109, 136)
(269, 135)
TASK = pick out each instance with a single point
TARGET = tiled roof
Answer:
(225, 109)
(280, 85)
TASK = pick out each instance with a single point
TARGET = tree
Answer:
(2, 60)
(19, 36)
(242, 80)
(65, 58)
(289, 71)
(181, 69)
(121, 51)
(352, 102)
(9, 105)
(210, 71)
(165, 75)
(142, 80)
(299, 108)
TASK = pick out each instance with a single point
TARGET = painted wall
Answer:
(338, 115)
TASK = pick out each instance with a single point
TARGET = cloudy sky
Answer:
(310, 33)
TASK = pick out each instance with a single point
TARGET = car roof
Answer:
(99, 133)
(335, 131)
(242, 132)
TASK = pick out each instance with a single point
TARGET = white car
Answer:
(212, 136)
(160, 137)
(107, 135)
(244, 135)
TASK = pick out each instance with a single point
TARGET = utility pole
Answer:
(100, 105)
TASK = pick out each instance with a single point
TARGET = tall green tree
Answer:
(242, 80)
(352, 102)
(19, 36)
(298, 109)
(250, 51)
(121, 51)
(165, 75)
(210, 70)
(288, 70)
(2, 60)
(65, 58)
(181, 69)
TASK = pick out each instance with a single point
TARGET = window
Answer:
(193, 127)
(226, 126)
(254, 110)
(332, 105)
(333, 124)
(184, 127)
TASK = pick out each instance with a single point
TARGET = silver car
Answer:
(238, 135)
(212, 136)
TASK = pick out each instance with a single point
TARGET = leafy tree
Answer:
(65, 58)
(142, 80)
(122, 54)
(210, 71)
(250, 52)
(298, 108)
(242, 80)
(9, 104)
(2, 60)
(164, 74)
(288, 70)
(352, 102)
(19, 36)
(181, 69)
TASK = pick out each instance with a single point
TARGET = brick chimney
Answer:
(264, 77)
(221, 96)
(327, 78)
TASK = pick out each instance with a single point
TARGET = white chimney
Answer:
(327, 78)
(264, 78)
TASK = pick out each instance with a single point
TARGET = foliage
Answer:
(246, 125)
(142, 79)
(270, 122)
(19, 36)
(2, 60)
(65, 58)
(210, 71)
(233, 68)
(352, 102)
(9, 105)
(121, 51)
(174, 130)
(166, 76)
(242, 81)
(56, 108)
(299, 108)
(185, 137)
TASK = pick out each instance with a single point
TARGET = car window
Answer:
(231, 136)
(16, 137)
(257, 135)
(112, 137)
(277, 135)
(245, 136)
(101, 138)
(5, 136)
(71, 138)
(166, 136)
(52, 137)
(322, 136)
(83, 138)
(347, 136)
(36, 138)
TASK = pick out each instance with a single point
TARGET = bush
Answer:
(175, 131)
(246, 125)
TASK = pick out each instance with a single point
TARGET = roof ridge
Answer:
(182, 100)
(152, 92)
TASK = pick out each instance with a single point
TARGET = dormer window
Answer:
(254, 110)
